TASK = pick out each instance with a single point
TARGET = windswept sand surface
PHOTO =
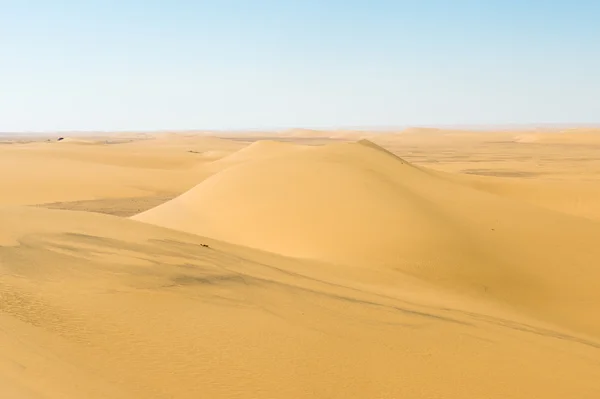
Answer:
(348, 265)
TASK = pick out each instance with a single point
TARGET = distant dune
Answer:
(568, 136)
(47, 172)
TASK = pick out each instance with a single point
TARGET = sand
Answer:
(186, 266)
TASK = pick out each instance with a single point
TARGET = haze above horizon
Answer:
(232, 64)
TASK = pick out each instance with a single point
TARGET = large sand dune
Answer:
(292, 271)
(356, 204)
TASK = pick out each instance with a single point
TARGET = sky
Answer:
(234, 64)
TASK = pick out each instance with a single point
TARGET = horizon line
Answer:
(321, 128)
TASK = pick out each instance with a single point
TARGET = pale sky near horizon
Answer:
(230, 64)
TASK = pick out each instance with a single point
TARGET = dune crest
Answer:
(263, 149)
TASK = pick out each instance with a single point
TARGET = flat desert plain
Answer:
(421, 263)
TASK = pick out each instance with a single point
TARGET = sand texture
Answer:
(414, 264)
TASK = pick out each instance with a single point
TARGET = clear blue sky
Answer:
(177, 64)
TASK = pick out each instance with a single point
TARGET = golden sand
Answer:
(418, 264)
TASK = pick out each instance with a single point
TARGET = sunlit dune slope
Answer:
(356, 204)
(94, 306)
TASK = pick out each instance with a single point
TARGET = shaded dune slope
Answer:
(356, 204)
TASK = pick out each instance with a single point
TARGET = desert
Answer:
(409, 263)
